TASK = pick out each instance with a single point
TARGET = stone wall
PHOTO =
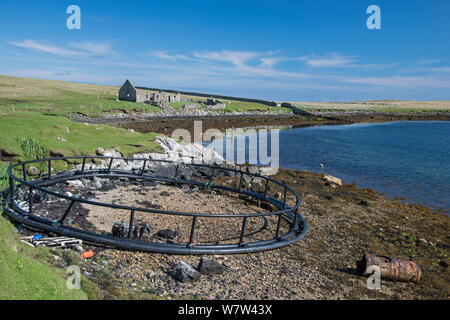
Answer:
(127, 92)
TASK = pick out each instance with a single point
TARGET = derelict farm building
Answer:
(129, 93)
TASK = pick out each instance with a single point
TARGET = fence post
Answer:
(49, 169)
(130, 228)
(11, 191)
(83, 165)
(241, 239)
(66, 213)
(240, 181)
(211, 179)
(30, 202)
(191, 237)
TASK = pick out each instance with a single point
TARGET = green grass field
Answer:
(80, 139)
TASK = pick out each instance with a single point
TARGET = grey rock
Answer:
(78, 184)
(150, 274)
(252, 170)
(170, 234)
(97, 183)
(193, 190)
(210, 266)
(145, 229)
(33, 171)
(185, 273)
(78, 249)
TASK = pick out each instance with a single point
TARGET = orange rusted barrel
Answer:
(87, 254)
(391, 268)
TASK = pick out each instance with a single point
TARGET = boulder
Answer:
(268, 171)
(185, 273)
(145, 229)
(332, 179)
(33, 171)
(252, 170)
(97, 183)
(100, 151)
(210, 266)
(77, 184)
(112, 153)
(169, 234)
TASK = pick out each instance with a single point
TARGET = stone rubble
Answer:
(174, 152)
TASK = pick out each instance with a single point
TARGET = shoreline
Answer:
(167, 124)
(344, 222)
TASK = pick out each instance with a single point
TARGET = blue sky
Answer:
(278, 50)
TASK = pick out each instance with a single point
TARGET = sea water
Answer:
(410, 160)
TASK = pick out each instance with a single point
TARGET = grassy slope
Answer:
(62, 98)
(81, 139)
(25, 272)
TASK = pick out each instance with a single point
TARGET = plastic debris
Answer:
(87, 254)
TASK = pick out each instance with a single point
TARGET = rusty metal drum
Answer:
(391, 268)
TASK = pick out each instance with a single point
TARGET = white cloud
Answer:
(33, 45)
(173, 57)
(270, 62)
(234, 57)
(92, 48)
(442, 69)
(330, 60)
(77, 49)
(430, 61)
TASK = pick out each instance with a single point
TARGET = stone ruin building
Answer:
(129, 93)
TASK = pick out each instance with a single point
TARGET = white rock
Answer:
(332, 179)
(75, 184)
(112, 153)
(100, 151)
(268, 171)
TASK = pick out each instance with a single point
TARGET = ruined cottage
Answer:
(129, 93)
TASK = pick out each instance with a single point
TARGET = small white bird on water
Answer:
(321, 166)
